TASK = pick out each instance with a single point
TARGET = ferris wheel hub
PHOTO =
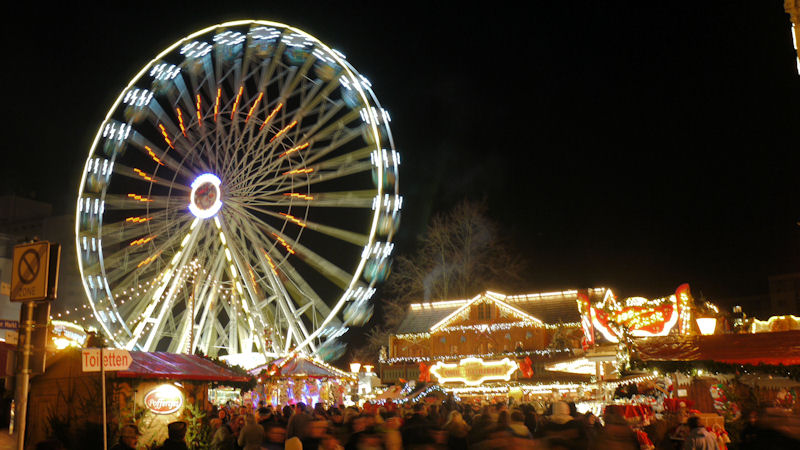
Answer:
(205, 200)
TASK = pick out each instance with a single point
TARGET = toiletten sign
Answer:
(473, 371)
(113, 360)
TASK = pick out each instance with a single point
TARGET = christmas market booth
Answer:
(492, 346)
(726, 373)
(677, 356)
(157, 388)
(299, 378)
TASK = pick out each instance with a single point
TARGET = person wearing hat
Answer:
(176, 434)
(128, 438)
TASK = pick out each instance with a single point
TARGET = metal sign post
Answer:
(93, 360)
(34, 278)
(103, 384)
(24, 376)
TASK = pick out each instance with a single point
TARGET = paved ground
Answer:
(7, 441)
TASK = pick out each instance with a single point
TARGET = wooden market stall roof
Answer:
(174, 366)
(299, 365)
(549, 307)
(760, 348)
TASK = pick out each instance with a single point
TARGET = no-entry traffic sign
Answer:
(113, 359)
(34, 274)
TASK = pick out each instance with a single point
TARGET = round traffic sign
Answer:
(28, 266)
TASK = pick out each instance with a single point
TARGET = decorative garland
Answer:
(715, 367)
(424, 393)
(243, 386)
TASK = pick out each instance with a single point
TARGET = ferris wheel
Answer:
(240, 196)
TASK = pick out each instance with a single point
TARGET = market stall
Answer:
(156, 389)
(715, 371)
(300, 378)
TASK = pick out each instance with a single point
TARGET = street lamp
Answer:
(354, 367)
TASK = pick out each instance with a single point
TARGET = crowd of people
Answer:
(451, 425)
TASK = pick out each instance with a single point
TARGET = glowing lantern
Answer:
(707, 325)
(354, 367)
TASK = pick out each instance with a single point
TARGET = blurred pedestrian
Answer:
(128, 438)
(699, 438)
(562, 430)
(176, 435)
(251, 435)
(457, 430)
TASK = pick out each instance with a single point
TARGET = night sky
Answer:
(635, 146)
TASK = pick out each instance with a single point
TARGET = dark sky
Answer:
(629, 145)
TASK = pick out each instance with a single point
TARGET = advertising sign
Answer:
(164, 399)
(473, 371)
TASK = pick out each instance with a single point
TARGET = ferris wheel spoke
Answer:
(209, 295)
(180, 260)
(250, 302)
(329, 270)
(342, 171)
(338, 126)
(358, 239)
(184, 95)
(140, 200)
(161, 157)
(138, 174)
(301, 290)
(344, 165)
(320, 95)
(273, 164)
(296, 77)
(122, 230)
(130, 261)
(312, 155)
(163, 125)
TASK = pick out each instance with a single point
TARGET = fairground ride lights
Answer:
(759, 326)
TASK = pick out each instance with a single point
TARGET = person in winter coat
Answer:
(561, 430)
(251, 435)
(617, 434)
(128, 438)
(457, 430)
(223, 436)
(699, 438)
(176, 434)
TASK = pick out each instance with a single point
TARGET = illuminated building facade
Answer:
(491, 327)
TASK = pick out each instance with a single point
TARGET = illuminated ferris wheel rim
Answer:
(366, 98)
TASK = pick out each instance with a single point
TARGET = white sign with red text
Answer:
(165, 399)
(113, 360)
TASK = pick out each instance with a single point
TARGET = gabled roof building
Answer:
(489, 326)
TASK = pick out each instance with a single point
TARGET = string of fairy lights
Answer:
(490, 328)
(187, 275)
(521, 354)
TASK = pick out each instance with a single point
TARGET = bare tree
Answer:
(461, 254)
